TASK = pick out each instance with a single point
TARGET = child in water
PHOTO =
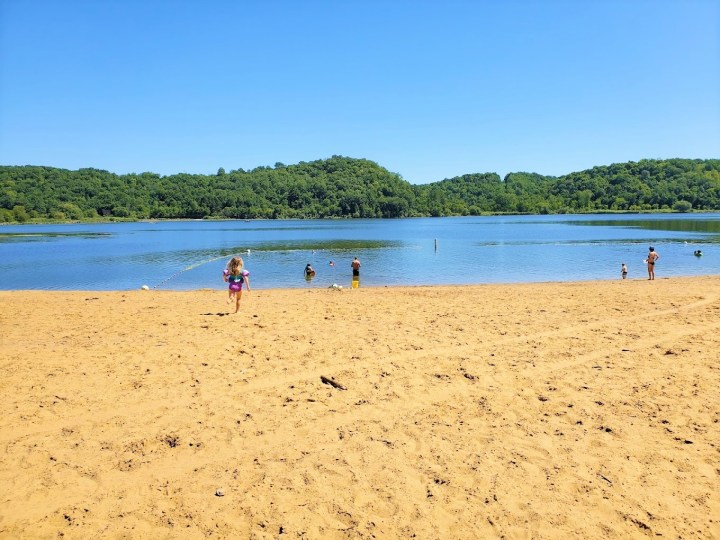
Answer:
(236, 276)
(623, 271)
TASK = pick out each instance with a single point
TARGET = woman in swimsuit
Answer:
(651, 259)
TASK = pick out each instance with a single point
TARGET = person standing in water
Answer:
(355, 267)
(651, 260)
(623, 271)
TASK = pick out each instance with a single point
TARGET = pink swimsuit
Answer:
(236, 282)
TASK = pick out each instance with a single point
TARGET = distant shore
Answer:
(544, 410)
(160, 220)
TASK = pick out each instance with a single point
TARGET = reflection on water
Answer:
(335, 244)
(211, 254)
(426, 251)
(598, 242)
(44, 237)
(706, 226)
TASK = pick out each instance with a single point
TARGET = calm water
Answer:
(192, 254)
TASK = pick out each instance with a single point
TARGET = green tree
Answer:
(346, 187)
(682, 206)
(20, 214)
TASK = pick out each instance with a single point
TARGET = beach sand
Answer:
(565, 410)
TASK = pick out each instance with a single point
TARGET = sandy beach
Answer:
(558, 410)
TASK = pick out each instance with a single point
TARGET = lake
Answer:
(184, 255)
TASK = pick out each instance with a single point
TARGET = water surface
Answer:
(184, 255)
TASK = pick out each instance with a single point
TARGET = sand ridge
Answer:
(554, 410)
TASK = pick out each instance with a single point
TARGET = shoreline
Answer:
(546, 410)
(340, 218)
(306, 287)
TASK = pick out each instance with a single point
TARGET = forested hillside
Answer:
(352, 188)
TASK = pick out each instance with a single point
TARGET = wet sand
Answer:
(572, 410)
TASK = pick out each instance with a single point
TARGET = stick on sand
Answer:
(332, 383)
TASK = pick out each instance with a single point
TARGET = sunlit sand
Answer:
(574, 410)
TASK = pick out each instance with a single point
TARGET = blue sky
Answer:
(427, 89)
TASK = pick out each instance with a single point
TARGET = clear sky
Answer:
(427, 89)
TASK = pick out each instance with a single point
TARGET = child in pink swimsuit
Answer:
(236, 276)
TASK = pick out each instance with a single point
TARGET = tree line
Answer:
(343, 187)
